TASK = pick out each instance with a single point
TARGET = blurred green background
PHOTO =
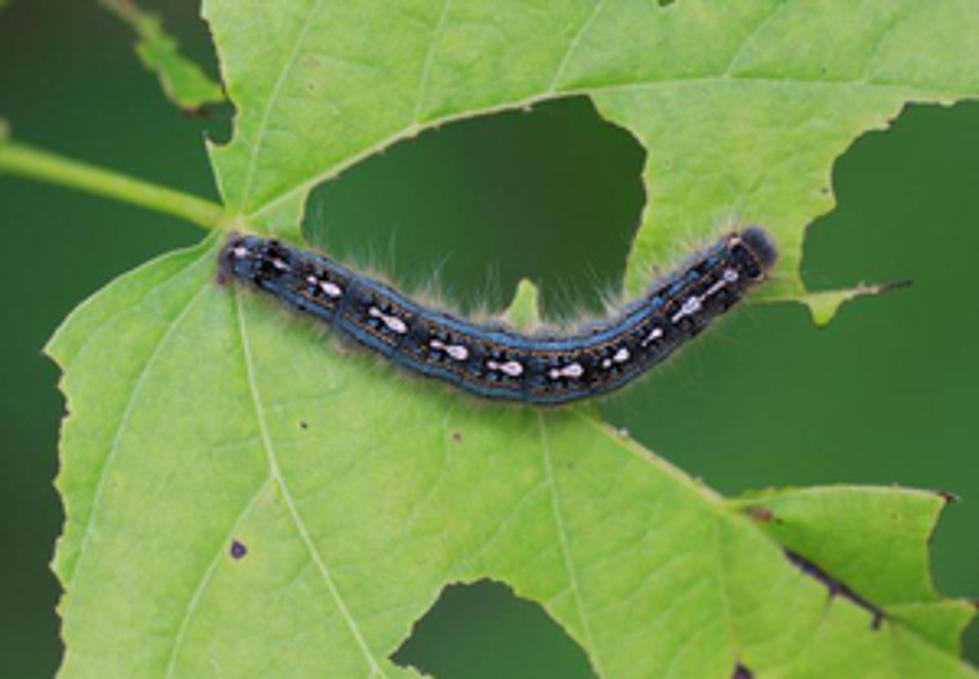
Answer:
(885, 394)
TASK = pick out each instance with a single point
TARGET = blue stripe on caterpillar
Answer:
(495, 362)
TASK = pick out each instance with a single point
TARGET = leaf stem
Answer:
(23, 160)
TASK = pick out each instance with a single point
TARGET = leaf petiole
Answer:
(23, 160)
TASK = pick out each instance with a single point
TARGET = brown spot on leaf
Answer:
(759, 513)
(238, 550)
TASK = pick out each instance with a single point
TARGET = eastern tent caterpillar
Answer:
(496, 362)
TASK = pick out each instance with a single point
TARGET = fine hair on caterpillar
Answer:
(431, 284)
(491, 360)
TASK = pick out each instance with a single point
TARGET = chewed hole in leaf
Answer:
(484, 631)
(551, 193)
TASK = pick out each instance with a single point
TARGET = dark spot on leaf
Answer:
(303, 424)
(742, 672)
(837, 587)
(665, 3)
(238, 550)
(485, 624)
(457, 436)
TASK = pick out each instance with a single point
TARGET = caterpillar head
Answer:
(253, 258)
(761, 245)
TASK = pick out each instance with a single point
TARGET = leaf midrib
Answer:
(275, 473)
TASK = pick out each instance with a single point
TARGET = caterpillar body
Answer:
(496, 362)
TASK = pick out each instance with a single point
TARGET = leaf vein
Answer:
(276, 474)
(205, 580)
(565, 548)
(505, 522)
(875, 48)
(129, 408)
(725, 594)
(427, 62)
(573, 45)
(270, 104)
(750, 39)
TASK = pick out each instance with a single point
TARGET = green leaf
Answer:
(824, 305)
(742, 107)
(841, 528)
(184, 82)
(524, 311)
(244, 498)
(356, 495)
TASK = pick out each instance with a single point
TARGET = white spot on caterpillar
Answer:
(456, 351)
(690, 307)
(240, 251)
(654, 335)
(728, 276)
(393, 323)
(620, 356)
(331, 289)
(714, 288)
(511, 368)
(279, 264)
(570, 370)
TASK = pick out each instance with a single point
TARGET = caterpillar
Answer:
(493, 361)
